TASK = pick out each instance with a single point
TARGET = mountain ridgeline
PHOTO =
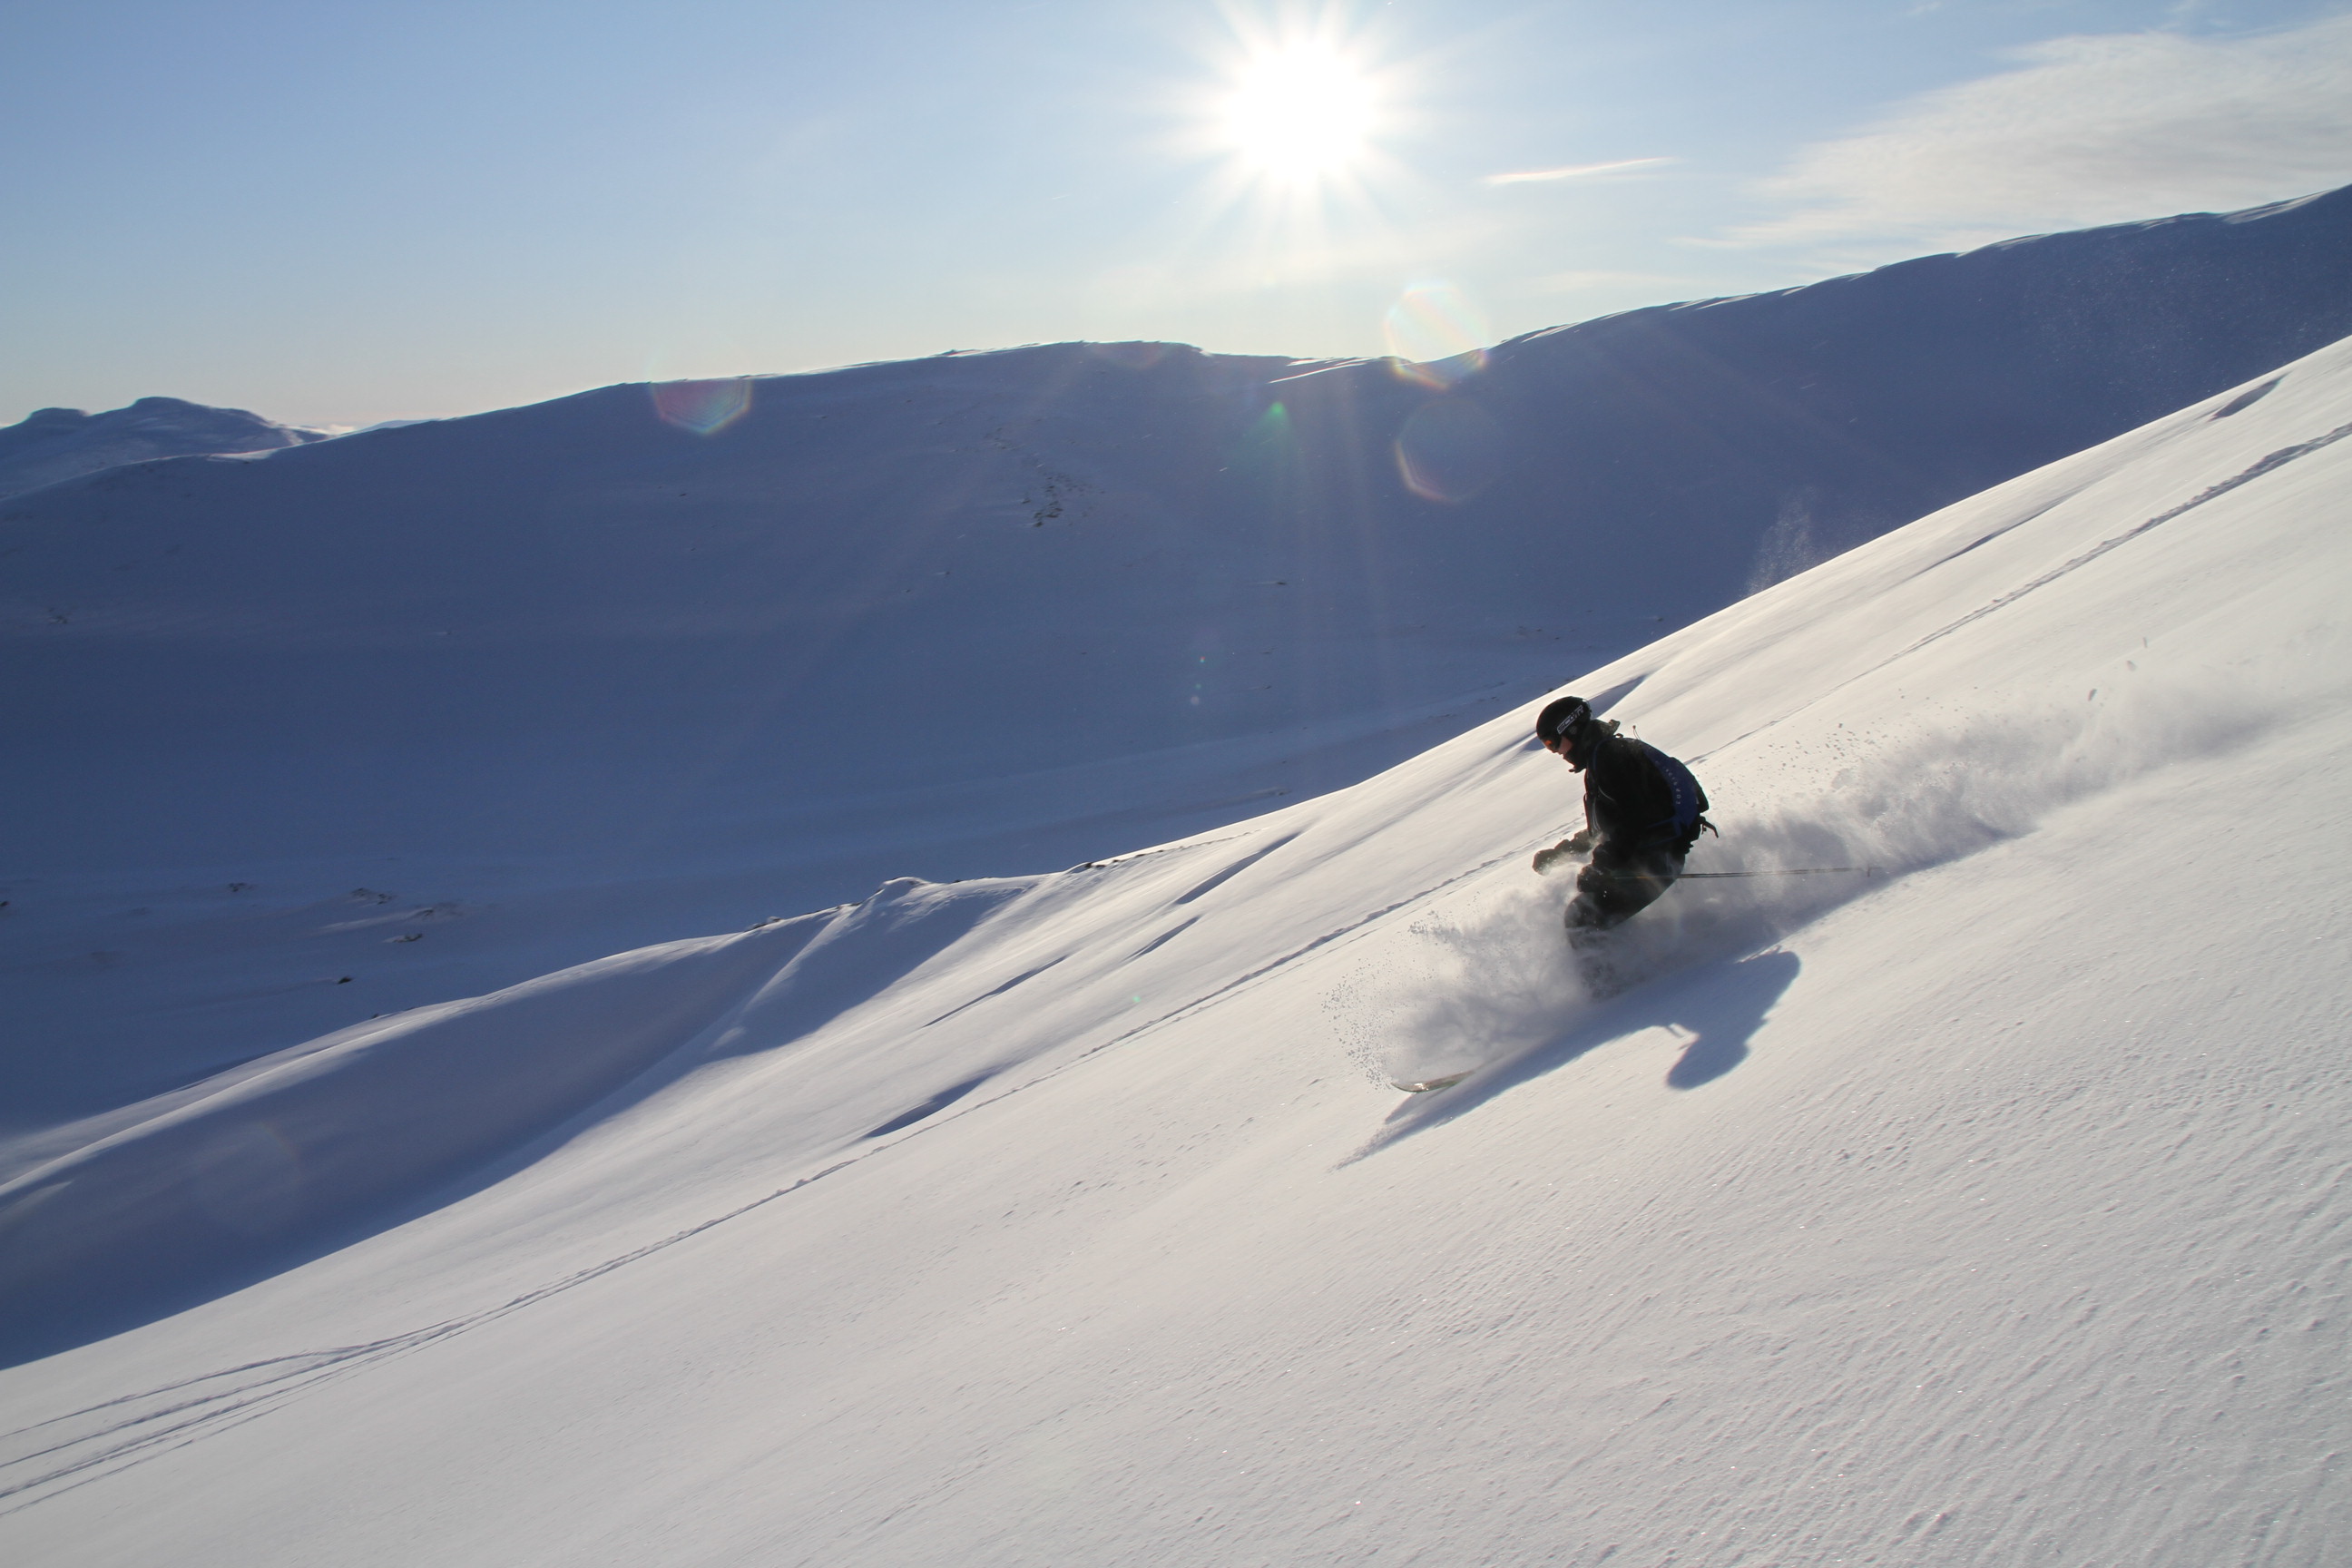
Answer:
(808, 615)
(52, 444)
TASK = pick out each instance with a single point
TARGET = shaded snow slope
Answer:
(439, 708)
(51, 445)
(1989, 1210)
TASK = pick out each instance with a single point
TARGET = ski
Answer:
(1793, 871)
(1695, 876)
(1427, 1084)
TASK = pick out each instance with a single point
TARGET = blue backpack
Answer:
(1690, 800)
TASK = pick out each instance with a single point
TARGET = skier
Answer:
(1642, 812)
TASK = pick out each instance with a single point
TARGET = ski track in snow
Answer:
(65, 1452)
(105, 1439)
(185, 1412)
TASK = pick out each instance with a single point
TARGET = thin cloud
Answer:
(1572, 171)
(2088, 130)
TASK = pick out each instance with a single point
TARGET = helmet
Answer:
(1562, 717)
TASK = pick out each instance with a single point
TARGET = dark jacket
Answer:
(1629, 796)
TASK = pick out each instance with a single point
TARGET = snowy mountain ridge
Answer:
(53, 445)
(1990, 1209)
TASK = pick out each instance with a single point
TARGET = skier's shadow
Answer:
(1718, 1007)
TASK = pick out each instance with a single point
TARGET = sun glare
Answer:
(1300, 112)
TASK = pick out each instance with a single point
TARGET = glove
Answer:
(1546, 858)
(1579, 842)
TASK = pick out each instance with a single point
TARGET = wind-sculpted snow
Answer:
(311, 1147)
(298, 1148)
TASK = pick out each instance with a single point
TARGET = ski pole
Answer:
(1792, 871)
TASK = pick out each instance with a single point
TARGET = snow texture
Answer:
(1991, 1209)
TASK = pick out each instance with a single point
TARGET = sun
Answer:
(1300, 112)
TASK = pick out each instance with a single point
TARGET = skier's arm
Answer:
(1594, 786)
(1582, 839)
(1565, 849)
(1575, 843)
(1614, 786)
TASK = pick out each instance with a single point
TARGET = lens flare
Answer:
(704, 407)
(1272, 428)
(1449, 451)
(1436, 334)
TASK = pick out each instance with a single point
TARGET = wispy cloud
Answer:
(2086, 130)
(1572, 171)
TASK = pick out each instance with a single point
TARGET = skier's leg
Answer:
(1615, 888)
(1610, 891)
(1586, 914)
(1588, 946)
(1600, 902)
(1597, 904)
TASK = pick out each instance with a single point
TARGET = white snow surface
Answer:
(1991, 1208)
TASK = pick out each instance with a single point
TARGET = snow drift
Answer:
(1990, 1209)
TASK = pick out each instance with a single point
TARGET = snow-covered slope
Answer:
(50, 445)
(1989, 1210)
(440, 708)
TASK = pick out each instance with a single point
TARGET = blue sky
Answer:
(337, 214)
